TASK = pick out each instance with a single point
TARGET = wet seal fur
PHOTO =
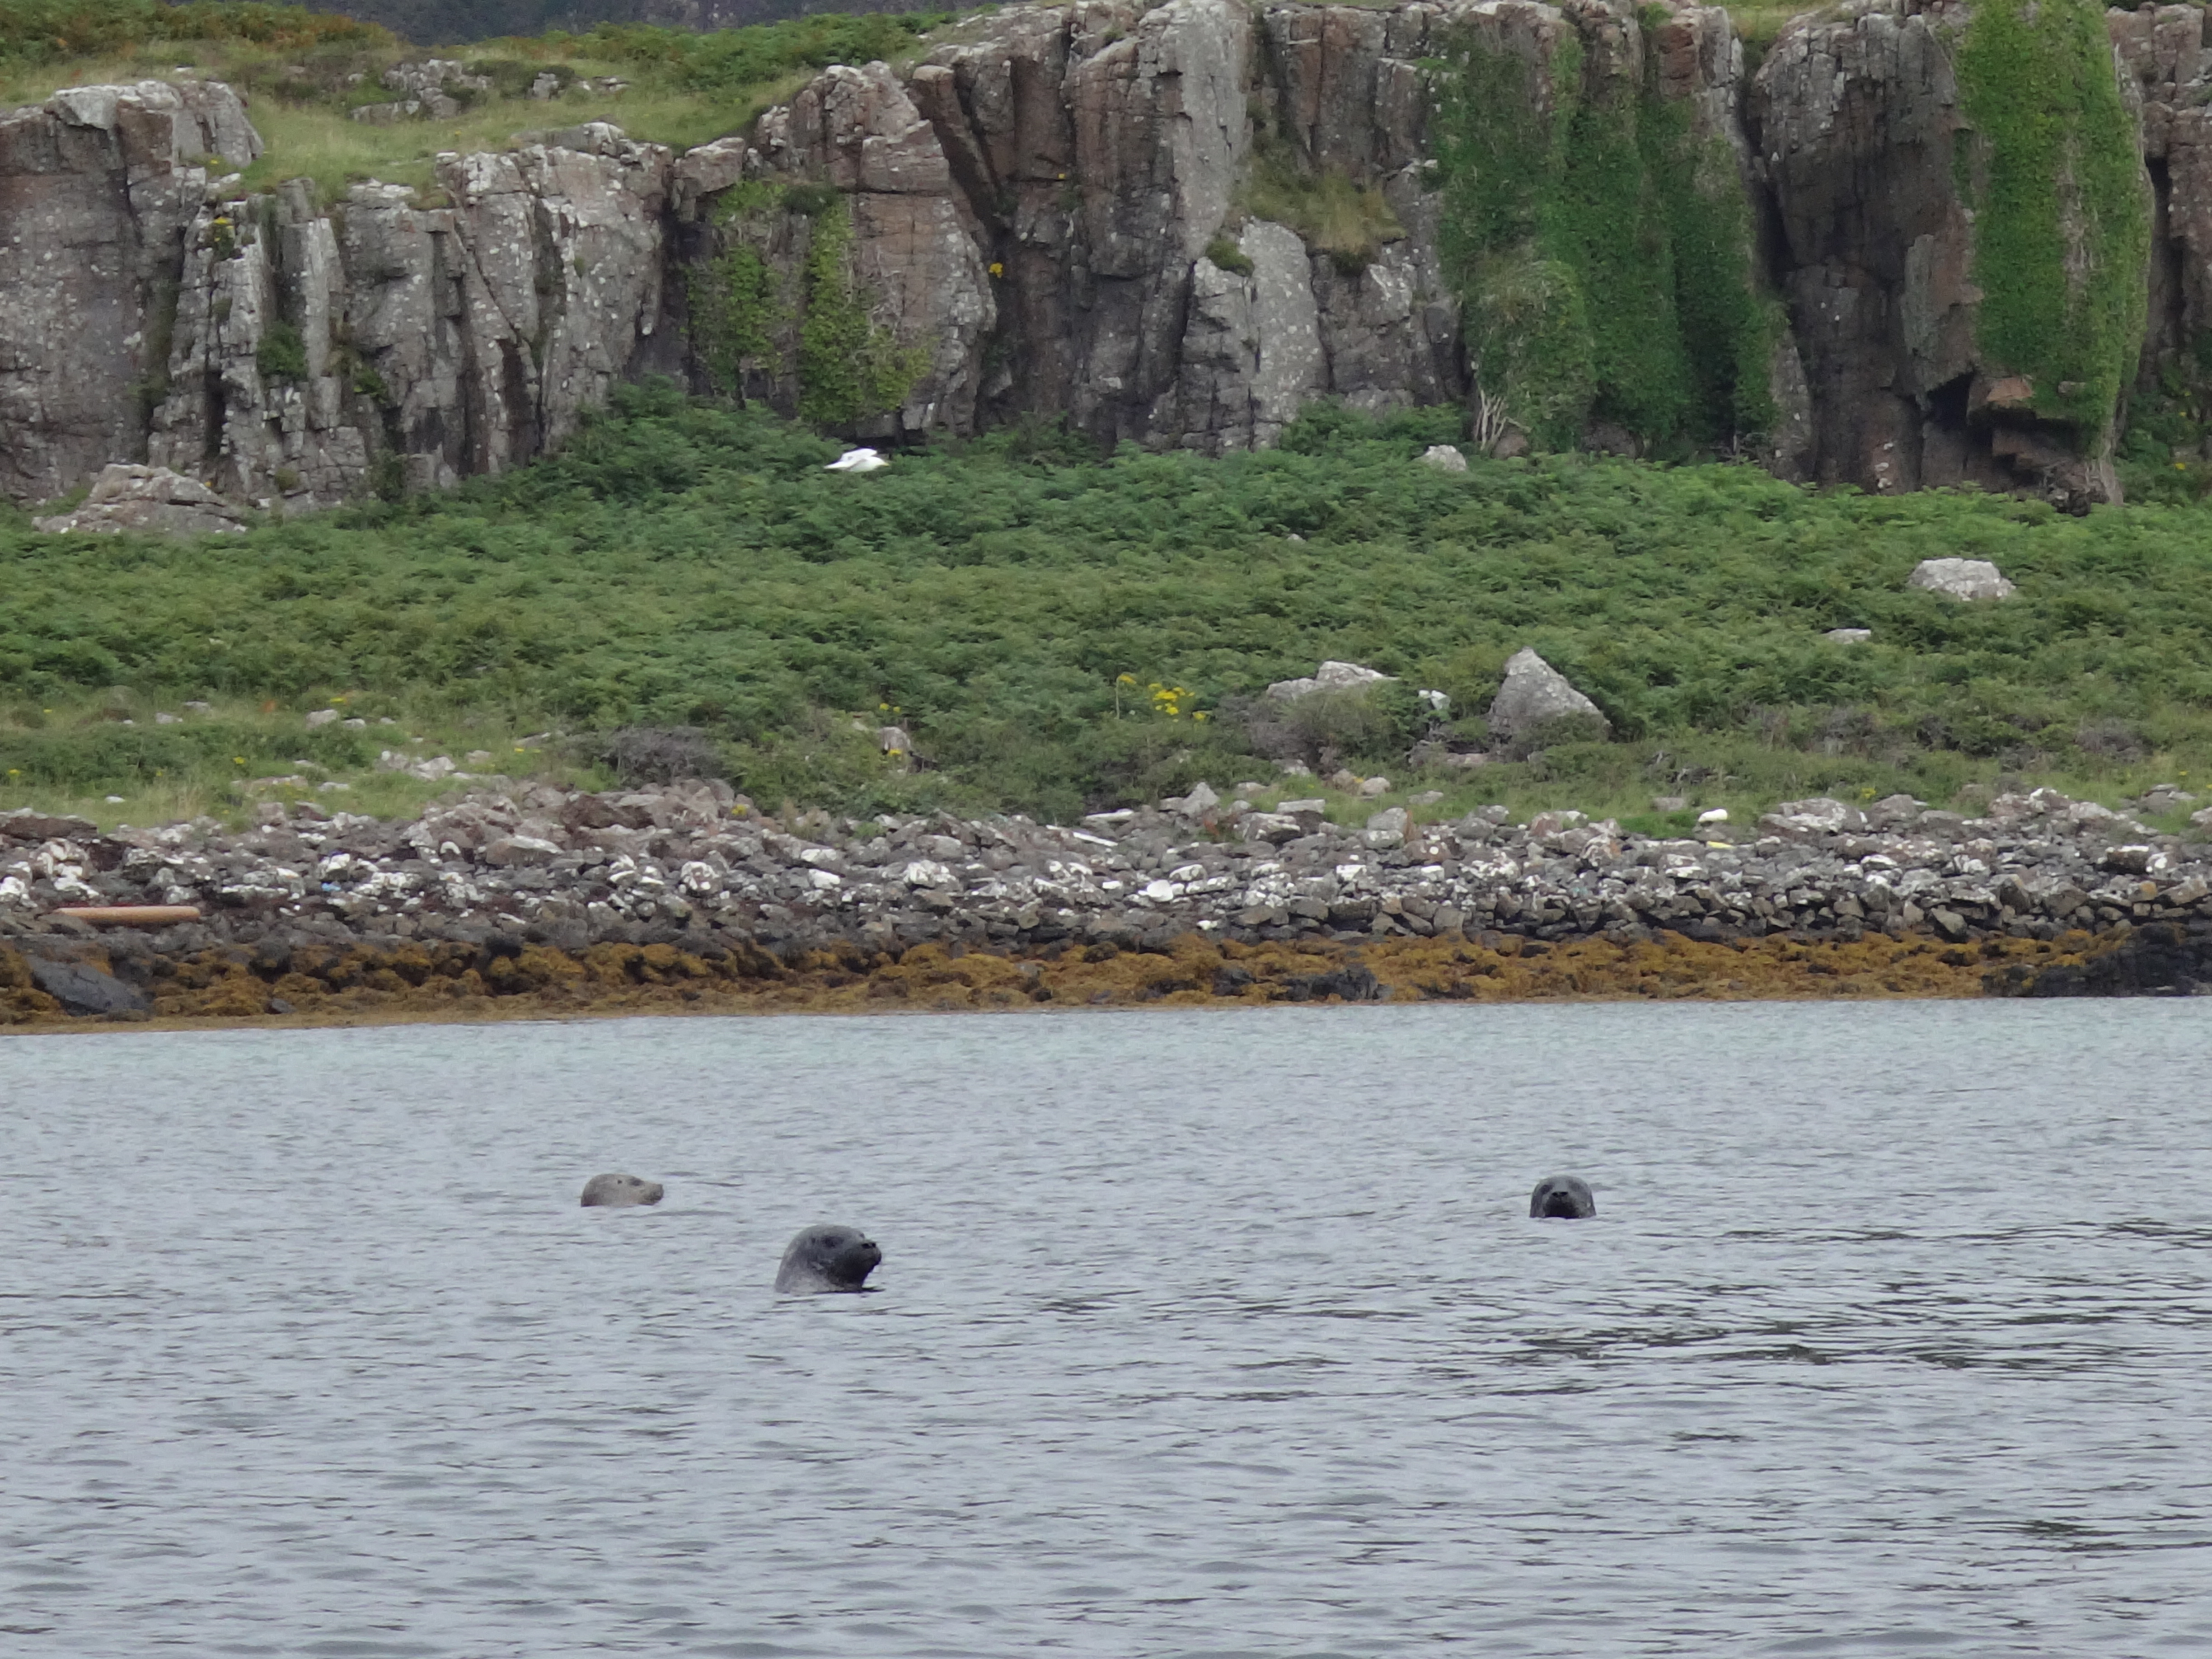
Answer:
(1562, 1198)
(824, 1258)
(620, 1192)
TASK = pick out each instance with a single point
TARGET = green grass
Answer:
(690, 563)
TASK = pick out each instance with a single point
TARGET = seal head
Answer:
(826, 1257)
(1565, 1198)
(620, 1192)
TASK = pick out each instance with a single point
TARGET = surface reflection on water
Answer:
(1199, 1334)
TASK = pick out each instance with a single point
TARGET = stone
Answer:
(1848, 636)
(149, 500)
(1671, 803)
(322, 717)
(518, 851)
(82, 988)
(2132, 859)
(1960, 579)
(1391, 822)
(25, 823)
(1819, 816)
(1201, 800)
(2163, 798)
(1534, 696)
(1330, 676)
(1275, 827)
(1443, 457)
(1371, 787)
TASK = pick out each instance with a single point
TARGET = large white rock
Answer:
(1960, 579)
(129, 496)
(1820, 815)
(1535, 694)
(1330, 676)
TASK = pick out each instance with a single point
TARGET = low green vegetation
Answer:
(1061, 632)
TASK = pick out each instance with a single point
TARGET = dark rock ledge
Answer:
(497, 891)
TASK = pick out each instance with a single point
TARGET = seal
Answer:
(1566, 1198)
(826, 1257)
(620, 1192)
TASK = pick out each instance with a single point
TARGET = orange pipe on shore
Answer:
(132, 915)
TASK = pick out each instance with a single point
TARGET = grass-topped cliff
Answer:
(1014, 602)
(307, 71)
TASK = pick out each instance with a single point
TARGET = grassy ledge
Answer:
(307, 73)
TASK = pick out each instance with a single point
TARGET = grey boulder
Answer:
(1330, 676)
(81, 988)
(1534, 696)
(1960, 579)
(150, 500)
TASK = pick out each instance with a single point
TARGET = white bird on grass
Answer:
(858, 461)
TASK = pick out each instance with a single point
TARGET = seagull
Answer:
(857, 460)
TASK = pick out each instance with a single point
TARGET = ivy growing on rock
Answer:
(2061, 241)
(1603, 250)
(736, 296)
(850, 366)
(748, 316)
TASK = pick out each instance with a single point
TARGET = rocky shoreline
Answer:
(534, 900)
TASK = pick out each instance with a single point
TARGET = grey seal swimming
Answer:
(618, 1192)
(826, 1257)
(1566, 1198)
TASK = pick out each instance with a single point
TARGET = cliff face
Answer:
(1922, 245)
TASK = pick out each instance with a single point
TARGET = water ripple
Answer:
(1200, 1334)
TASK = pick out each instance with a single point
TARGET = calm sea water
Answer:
(1197, 1333)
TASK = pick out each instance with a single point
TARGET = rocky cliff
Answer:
(1921, 244)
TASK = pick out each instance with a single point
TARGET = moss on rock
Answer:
(2063, 209)
(1603, 249)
